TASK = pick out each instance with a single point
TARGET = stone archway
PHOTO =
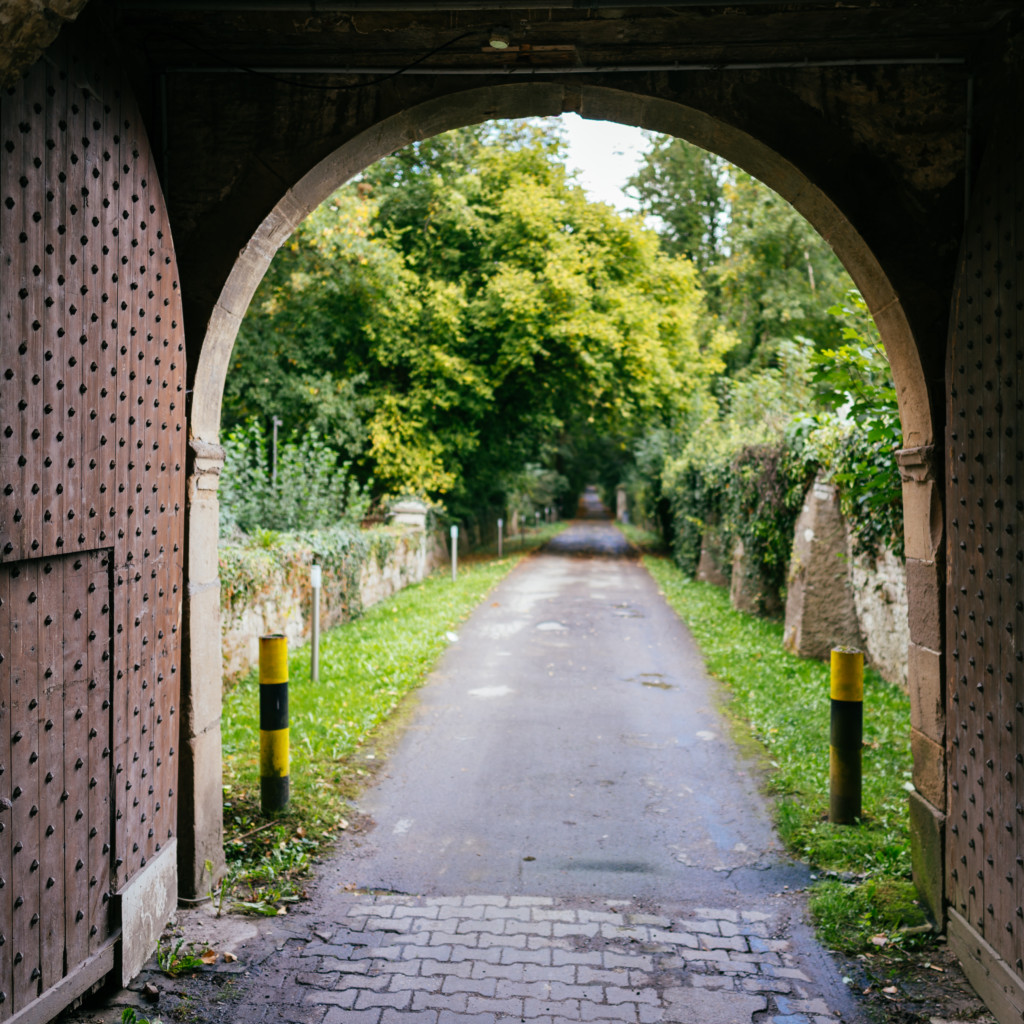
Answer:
(200, 822)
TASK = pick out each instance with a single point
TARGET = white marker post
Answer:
(455, 550)
(316, 579)
(501, 524)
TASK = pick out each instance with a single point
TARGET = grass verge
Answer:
(865, 901)
(367, 667)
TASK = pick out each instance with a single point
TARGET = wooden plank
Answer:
(12, 214)
(50, 774)
(101, 820)
(988, 973)
(25, 679)
(77, 982)
(6, 831)
(75, 723)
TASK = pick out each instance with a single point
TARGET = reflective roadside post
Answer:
(501, 524)
(274, 753)
(846, 740)
(455, 550)
(315, 578)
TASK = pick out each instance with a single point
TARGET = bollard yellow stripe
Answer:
(847, 674)
(274, 753)
(274, 658)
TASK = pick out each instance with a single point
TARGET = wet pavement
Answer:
(564, 832)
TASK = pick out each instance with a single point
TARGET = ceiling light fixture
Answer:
(499, 38)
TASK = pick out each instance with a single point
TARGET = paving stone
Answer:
(576, 928)
(675, 938)
(602, 1011)
(615, 994)
(723, 914)
(526, 956)
(485, 939)
(511, 1007)
(703, 927)
(712, 982)
(734, 942)
(640, 962)
(763, 984)
(486, 901)
(523, 989)
(537, 972)
(365, 981)
(560, 957)
(462, 968)
(445, 1017)
(407, 1017)
(568, 1009)
(475, 986)
(539, 914)
(595, 976)
(654, 920)
(455, 1003)
(700, 1006)
(337, 1015)
(404, 912)
(530, 901)
(403, 982)
(367, 999)
(320, 998)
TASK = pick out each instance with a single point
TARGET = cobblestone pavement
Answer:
(488, 959)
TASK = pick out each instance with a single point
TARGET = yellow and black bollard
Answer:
(274, 784)
(847, 736)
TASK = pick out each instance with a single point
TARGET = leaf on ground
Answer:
(879, 940)
(208, 956)
(230, 958)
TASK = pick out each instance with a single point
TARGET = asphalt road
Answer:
(569, 743)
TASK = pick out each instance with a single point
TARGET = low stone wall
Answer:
(880, 594)
(283, 604)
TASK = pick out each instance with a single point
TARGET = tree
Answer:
(768, 275)
(473, 314)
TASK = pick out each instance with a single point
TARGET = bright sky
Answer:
(606, 154)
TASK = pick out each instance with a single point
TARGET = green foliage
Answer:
(270, 563)
(172, 961)
(768, 275)
(854, 382)
(130, 1016)
(463, 313)
(879, 912)
(782, 702)
(311, 491)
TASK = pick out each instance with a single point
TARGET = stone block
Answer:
(749, 591)
(202, 525)
(820, 608)
(929, 768)
(201, 691)
(712, 559)
(201, 805)
(922, 519)
(924, 601)
(147, 903)
(927, 845)
(927, 688)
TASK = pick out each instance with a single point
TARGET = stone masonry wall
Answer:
(283, 609)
